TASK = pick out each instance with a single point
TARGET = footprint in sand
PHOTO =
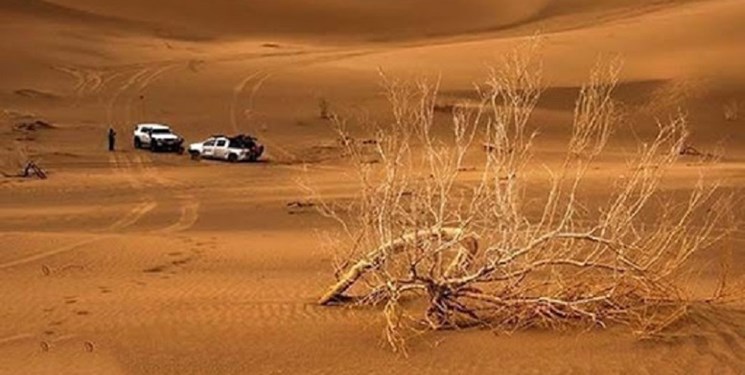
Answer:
(48, 271)
(104, 290)
(156, 269)
(182, 262)
(166, 267)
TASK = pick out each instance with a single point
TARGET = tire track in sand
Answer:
(238, 91)
(139, 174)
(123, 166)
(88, 81)
(14, 338)
(153, 179)
(141, 85)
(120, 91)
(187, 219)
(139, 168)
(55, 251)
(188, 204)
(132, 216)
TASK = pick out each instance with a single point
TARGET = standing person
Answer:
(112, 139)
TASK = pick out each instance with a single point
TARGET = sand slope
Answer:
(378, 20)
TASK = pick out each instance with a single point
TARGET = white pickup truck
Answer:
(232, 149)
(157, 137)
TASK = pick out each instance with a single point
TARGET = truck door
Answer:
(145, 137)
(208, 149)
(221, 149)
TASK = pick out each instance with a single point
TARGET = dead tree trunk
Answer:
(378, 256)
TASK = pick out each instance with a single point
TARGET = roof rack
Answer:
(243, 136)
(153, 125)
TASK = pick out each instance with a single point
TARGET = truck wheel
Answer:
(195, 155)
(232, 158)
(138, 143)
(153, 147)
(181, 150)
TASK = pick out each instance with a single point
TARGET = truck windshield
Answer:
(161, 131)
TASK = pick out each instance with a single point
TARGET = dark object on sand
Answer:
(112, 139)
(688, 150)
(299, 207)
(31, 170)
(32, 126)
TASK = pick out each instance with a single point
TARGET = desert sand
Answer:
(139, 263)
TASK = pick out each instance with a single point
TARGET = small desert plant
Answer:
(438, 248)
(324, 109)
(732, 110)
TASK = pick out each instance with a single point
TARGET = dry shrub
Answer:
(732, 110)
(672, 95)
(438, 249)
(324, 109)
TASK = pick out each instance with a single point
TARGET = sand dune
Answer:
(139, 263)
(328, 19)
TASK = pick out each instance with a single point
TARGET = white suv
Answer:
(157, 137)
(232, 149)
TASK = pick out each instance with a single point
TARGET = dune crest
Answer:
(325, 19)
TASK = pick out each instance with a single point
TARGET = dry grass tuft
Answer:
(732, 110)
(324, 109)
